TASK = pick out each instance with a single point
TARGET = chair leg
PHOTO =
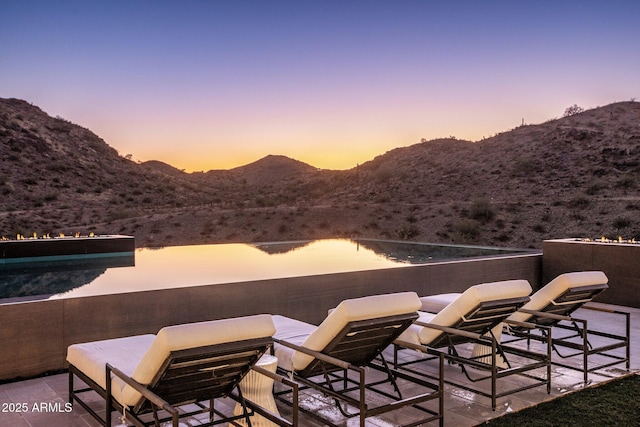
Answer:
(74, 394)
(585, 352)
(337, 402)
(70, 387)
(363, 405)
(243, 403)
(108, 404)
(627, 340)
(155, 416)
(390, 376)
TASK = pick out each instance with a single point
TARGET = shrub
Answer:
(626, 182)
(467, 229)
(594, 189)
(481, 210)
(526, 167)
(579, 202)
(408, 231)
(573, 110)
(29, 181)
(621, 222)
(503, 237)
(57, 166)
(539, 228)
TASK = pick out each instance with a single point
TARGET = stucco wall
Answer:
(35, 335)
(620, 262)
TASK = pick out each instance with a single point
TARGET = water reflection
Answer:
(422, 253)
(25, 280)
(182, 266)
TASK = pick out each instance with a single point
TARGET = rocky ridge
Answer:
(574, 176)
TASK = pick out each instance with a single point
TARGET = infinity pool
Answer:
(181, 266)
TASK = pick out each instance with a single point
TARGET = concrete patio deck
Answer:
(41, 401)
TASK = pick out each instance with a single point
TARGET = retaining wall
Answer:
(36, 334)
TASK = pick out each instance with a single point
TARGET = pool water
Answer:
(181, 266)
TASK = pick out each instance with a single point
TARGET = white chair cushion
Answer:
(123, 353)
(141, 357)
(412, 333)
(293, 331)
(435, 303)
(351, 310)
(556, 287)
(470, 299)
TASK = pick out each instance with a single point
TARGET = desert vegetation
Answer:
(576, 176)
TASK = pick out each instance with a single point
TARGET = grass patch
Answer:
(614, 403)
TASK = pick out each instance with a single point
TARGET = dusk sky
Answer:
(217, 84)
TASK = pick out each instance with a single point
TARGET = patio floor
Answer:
(41, 401)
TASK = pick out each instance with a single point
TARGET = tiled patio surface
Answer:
(462, 408)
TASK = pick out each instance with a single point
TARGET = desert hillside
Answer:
(574, 176)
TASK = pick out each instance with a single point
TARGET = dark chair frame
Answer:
(195, 376)
(573, 335)
(340, 371)
(476, 327)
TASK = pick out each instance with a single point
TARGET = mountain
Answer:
(52, 162)
(56, 176)
(574, 176)
(597, 151)
(164, 168)
(272, 169)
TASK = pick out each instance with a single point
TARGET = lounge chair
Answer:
(554, 306)
(148, 377)
(333, 358)
(472, 317)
